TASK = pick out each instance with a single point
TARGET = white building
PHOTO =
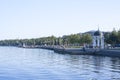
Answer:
(98, 40)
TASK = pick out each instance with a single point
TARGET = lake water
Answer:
(40, 64)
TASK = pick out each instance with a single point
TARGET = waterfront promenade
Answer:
(82, 51)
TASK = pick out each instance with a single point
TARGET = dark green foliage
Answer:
(86, 38)
(119, 36)
(74, 38)
(107, 37)
(112, 37)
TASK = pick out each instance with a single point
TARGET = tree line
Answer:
(112, 38)
(73, 39)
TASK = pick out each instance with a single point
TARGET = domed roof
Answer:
(97, 33)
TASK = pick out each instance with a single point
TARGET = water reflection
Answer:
(115, 63)
(39, 64)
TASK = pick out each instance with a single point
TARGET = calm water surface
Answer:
(40, 64)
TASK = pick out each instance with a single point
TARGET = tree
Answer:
(114, 37)
(86, 39)
(119, 37)
(74, 38)
(65, 40)
(107, 38)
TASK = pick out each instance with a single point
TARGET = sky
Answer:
(21, 19)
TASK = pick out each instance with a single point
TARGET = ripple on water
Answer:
(39, 64)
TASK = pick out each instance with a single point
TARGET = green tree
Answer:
(107, 38)
(74, 38)
(114, 37)
(119, 37)
(86, 38)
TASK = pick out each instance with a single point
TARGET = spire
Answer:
(97, 33)
(98, 27)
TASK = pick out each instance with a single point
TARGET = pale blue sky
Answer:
(38, 18)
